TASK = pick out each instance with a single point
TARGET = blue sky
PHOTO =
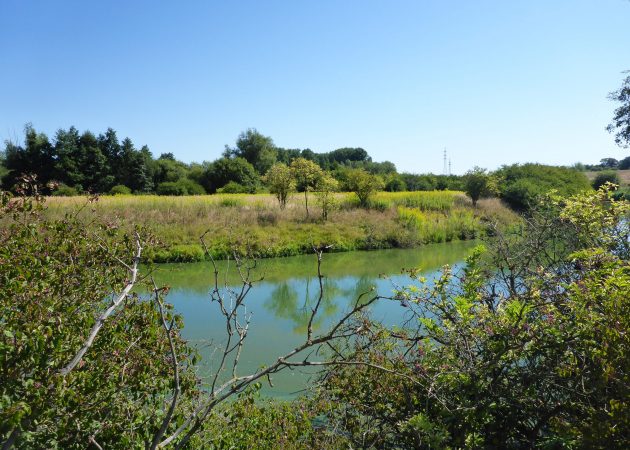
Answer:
(492, 81)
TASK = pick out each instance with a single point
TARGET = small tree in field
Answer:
(281, 182)
(363, 184)
(307, 174)
(326, 194)
(477, 184)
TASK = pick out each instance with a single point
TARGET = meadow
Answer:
(255, 224)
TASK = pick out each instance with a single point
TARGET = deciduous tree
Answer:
(281, 182)
(307, 174)
(620, 124)
(363, 184)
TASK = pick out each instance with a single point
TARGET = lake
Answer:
(278, 303)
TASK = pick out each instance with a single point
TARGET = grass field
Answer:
(255, 223)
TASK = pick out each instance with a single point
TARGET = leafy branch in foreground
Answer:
(82, 357)
(87, 361)
(527, 346)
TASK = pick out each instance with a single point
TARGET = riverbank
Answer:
(255, 224)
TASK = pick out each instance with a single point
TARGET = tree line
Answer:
(74, 163)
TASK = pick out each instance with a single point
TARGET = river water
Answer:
(279, 304)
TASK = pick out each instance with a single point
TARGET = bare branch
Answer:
(100, 321)
(177, 389)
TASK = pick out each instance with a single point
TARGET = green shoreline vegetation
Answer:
(255, 224)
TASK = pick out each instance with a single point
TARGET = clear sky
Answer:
(492, 81)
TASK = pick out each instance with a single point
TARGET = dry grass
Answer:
(256, 222)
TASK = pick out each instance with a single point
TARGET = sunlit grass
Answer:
(255, 222)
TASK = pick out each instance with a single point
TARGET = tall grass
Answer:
(424, 200)
(255, 222)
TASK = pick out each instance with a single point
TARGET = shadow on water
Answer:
(280, 303)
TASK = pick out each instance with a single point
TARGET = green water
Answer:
(278, 304)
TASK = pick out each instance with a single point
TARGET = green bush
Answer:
(65, 191)
(521, 186)
(231, 202)
(606, 176)
(520, 348)
(120, 189)
(57, 279)
(233, 187)
(171, 188)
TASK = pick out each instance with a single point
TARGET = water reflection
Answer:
(285, 302)
(280, 304)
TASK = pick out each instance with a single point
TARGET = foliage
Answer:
(395, 184)
(232, 187)
(620, 124)
(58, 277)
(255, 148)
(225, 170)
(307, 175)
(478, 183)
(326, 188)
(120, 189)
(607, 176)
(281, 182)
(171, 188)
(522, 185)
(252, 422)
(526, 347)
(234, 219)
(363, 184)
(65, 191)
(191, 187)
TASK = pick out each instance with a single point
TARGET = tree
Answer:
(222, 171)
(609, 163)
(281, 182)
(620, 124)
(624, 164)
(606, 176)
(363, 184)
(522, 185)
(477, 184)
(307, 175)
(257, 149)
(36, 157)
(326, 189)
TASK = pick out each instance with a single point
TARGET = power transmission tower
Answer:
(445, 169)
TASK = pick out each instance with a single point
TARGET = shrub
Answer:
(171, 188)
(266, 218)
(522, 185)
(120, 189)
(191, 187)
(230, 202)
(65, 191)
(63, 278)
(521, 348)
(233, 188)
(606, 176)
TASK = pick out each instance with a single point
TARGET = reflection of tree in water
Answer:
(363, 285)
(285, 303)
